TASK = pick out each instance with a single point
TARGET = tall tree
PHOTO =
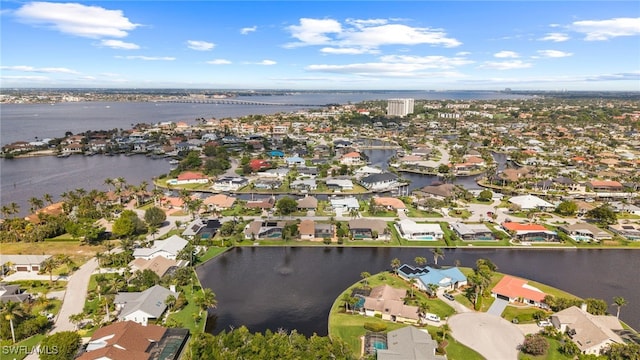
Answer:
(420, 260)
(365, 275)
(206, 300)
(48, 266)
(11, 311)
(619, 302)
(395, 265)
(437, 254)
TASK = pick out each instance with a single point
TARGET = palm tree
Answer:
(48, 198)
(6, 211)
(437, 253)
(423, 308)
(353, 212)
(109, 182)
(395, 264)
(347, 299)
(420, 260)
(365, 275)
(13, 310)
(100, 257)
(14, 208)
(445, 331)
(413, 283)
(76, 318)
(619, 302)
(207, 300)
(170, 301)
(35, 204)
(48, 266)
(433, 289)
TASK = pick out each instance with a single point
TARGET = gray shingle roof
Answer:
(150, 301)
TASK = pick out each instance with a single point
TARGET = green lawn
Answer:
(552, 353)
(187, 317)
(211, 252)
(27, 344)
(524, 314)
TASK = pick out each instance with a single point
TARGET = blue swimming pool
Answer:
(380, 345)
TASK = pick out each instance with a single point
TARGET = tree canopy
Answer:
(155, 216)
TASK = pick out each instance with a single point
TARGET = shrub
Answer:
(535, 344)
(375, 327)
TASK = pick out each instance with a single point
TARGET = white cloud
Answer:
(31, 78)
(554, 53)
(364, 34)
(146, 58)
(199, 45)
(348, 51)
(118, 44)
(314, 31)
(219, 62)
(51, 70)
(506, 65)
(247, 30)
(266, 62)
(555, 37)
(506, 54)
(597, 30)
(427, 62)
(463, 53)
(77, 19)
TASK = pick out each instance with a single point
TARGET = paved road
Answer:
(75, 296)
(491, 336)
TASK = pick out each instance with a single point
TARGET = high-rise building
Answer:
(400, 107)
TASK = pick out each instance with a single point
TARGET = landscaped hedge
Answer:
(375, 327)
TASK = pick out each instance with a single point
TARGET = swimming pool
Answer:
(380, 345)
(425, 237)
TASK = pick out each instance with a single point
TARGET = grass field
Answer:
(78, 253)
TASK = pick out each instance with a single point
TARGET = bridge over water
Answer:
(235, 102)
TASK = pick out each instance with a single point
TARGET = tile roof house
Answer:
(219, 202)
(528, 202)
(307, 229)
(128, 340)
(12, 293)
(530, 232)
(307, 203)
(189, 177)
(22, 263)
(51, 210)
(585, 232)
(473, 232)
(410, 230)
(229, 183)
(445, 278)
(369, 229)
(515, 289)
(139, 307)
(390, 203)
(591, 333)
(409, 343)
(169, 248)
(159, 265)
(351, 158)
(438, 191)
(388, 302)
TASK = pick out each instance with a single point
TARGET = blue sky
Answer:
(413, 45)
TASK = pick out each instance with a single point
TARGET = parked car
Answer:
(432, 317)
(544, 323)
(448, 296)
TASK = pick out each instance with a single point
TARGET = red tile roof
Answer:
(522, 227)
(190, 175)
(515, 288)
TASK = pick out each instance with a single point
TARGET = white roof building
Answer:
(411, 230)
(168, 248)
(528, 202)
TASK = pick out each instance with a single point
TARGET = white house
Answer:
(591, 333)
(528, 202)
(139, 307)
(410, 230)
(168, 248)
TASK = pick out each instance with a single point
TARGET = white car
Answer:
(544, 323)
(432, 317)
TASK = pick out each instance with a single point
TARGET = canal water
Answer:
(294, 288)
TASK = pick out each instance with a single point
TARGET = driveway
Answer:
(74, 296)
(498, 307)
(491, 336)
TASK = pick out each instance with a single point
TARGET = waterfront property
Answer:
(160, 265)
(380, 182)
(409, 343)
(189, 177)
(229, 183)
(219, 202)
(265, 229)
(585, 232)
(129, 340)
(388, 303)
(529, 232)
(344, 204)
(140, 307)
(412, 231)
(515, 289)
(591, 333)
(369, 229)
(444, 278)
(629, 231)
(168, 248)
(529, 202)
(473, 232)
(202, 227)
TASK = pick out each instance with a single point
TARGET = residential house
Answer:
(390, 203)
(444, 278)
(12, 293)
(380, 182)
(412, 231)
(324, 231)
(160, 265)
(338, 185)
(307, 203)
(304, 185)
(605, 186)
(388, 302)
(22, 263)
(529, 232)
(278, 173)
(473, 232)
(168, 248)
(296, 161)
(140, 307)
(351, 159)
(128, 340)
(311, 172)
(369, 229)
(259, 164)
(219, 202)
(229, 183)
(591, 333)
(441, 191)
(531, 202)
(514, 289)
(264, 204)
(189, 177)
(307, 229)
(630, 231)
(267, 184)
(202, 227)
(340, 205)
(366, 171)
(54, 209)
(585, 232)
(265, 229)
(621, 207)
(409, 343)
